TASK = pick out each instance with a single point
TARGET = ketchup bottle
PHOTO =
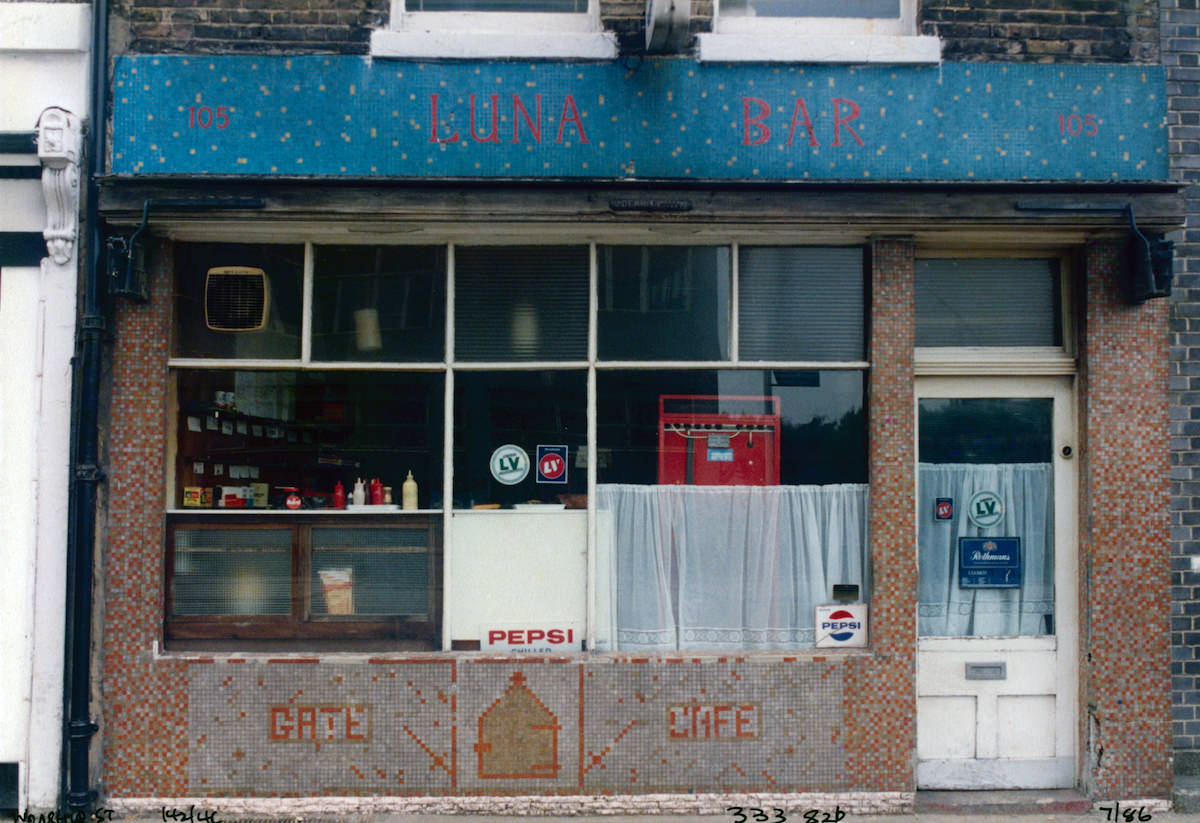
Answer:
(339, 496)
(376, 492)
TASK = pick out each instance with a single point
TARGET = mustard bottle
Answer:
(408, 493)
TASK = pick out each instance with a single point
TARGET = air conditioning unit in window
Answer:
(236, 298)
(667, 25)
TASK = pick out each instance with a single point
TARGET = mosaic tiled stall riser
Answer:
(743, 726)
(324, 729)
(514, 728)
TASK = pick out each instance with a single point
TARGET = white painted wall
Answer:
(43, 64)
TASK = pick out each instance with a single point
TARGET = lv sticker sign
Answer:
(552, 464)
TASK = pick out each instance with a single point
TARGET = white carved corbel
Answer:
(60, 141)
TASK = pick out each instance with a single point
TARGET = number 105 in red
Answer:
(1077, 124)
(205, 117)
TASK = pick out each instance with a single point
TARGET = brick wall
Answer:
(244, 26)
(1181, 44)
(1084, 31)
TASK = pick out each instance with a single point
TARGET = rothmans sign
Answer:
(662, 119)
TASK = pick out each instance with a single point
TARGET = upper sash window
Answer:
(824, 31)
(495, 29)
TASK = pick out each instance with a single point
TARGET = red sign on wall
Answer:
(713, 721)
(319, 724)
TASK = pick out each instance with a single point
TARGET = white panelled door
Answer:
(997, 619)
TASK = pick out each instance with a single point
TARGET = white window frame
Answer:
(747, 38)
(494, 35)
(988, 361)
(450, 366)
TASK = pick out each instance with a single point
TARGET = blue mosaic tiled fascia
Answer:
(654, 119)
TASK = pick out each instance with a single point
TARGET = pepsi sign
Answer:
(841, 625)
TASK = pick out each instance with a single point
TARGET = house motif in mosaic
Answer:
(518, 736)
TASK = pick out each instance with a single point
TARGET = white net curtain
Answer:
(723, 568)
(946, 609)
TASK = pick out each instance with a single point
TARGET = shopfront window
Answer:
(469, 404)
(379, 303)
(664, 302)
(505, 421)
(521, 303)
(237, 300)
(730, 504)
(253, 445)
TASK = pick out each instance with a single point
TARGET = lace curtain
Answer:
(1027, 490)
(723, 567)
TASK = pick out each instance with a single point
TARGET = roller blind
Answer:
(988, 302)
(800, 303)
(521, 303)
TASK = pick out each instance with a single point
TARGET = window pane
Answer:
(211, 310)
(521, 303)
(985, 430)
(664, 303)
(812, 8)
(371, 571)
(498, 5)
(654, 427)
(379, 303)
(253, 439)
(522, 410)
(232, 571)
(979, 302)
(730, 504)
(987, 562)
(801, 303)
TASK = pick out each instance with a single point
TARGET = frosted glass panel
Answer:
(377, 571)
(234, 571)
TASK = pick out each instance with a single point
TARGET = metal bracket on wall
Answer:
(1150, 267)
(126, 256)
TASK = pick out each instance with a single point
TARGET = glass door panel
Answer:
(986, 505)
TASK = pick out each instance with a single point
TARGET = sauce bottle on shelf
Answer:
(408, 492)
(376, 492)
(339, 496)
(359, 496)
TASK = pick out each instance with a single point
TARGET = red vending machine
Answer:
(710, 440)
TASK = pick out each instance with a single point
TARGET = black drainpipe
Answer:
(86, 475)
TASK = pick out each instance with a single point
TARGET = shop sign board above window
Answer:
(670, 118)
